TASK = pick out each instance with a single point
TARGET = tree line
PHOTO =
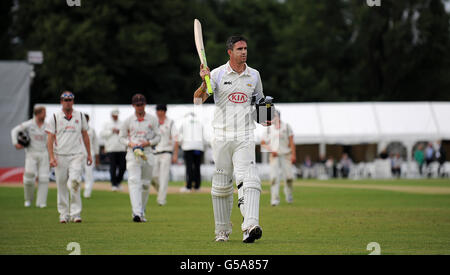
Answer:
(306, 50)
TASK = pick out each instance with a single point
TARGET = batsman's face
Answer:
(239, 52)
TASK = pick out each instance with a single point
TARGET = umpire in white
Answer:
(67, 131)
(36, 157)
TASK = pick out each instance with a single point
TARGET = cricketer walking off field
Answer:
(139, 133)
(36, 157)
(234, 85)
(67, 131)
(166, 153)
(278, 139)
(89, 169)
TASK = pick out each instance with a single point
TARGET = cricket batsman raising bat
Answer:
(238, 93)
(198, 36)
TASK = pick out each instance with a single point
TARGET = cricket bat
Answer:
(198, 36)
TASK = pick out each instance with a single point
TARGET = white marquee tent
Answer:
(322, 123)
(319, 123)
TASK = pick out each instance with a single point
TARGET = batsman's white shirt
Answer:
(38, 136)
(138, 130)
(278, 138)
(233, 94)
(169, 135)
(67, 130)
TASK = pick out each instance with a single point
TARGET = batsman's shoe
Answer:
(76, 219)
(222, 236)
(27, 204)
(137, 219)
(252, 234)
(63, 220)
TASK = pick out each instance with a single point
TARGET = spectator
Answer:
(429, 157)
(346, 163)
(330, 165)
(308, 163)
(440, 156)
(419, 157)
(429, 154)
(396, 163)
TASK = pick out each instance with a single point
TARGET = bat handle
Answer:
(208, 85)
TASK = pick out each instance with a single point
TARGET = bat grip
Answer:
(208, 85)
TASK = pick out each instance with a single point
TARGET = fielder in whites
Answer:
(89, 169)
(139, 133)
(67, 135)
(36, 156)
(235, 86)
(166, 153)
(278, 139)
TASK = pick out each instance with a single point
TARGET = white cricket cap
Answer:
(115, 112)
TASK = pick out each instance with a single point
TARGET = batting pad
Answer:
(222, 213)
(222, 184)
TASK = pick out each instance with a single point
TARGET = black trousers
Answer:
(117, 167)
(193, 159)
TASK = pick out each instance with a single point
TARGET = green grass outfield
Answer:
(323, 219)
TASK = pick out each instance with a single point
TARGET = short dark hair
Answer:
(138, 99)
(233, 40)
(161, 107)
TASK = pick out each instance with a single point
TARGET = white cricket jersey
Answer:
(191, 134)
(233, 94)
(168, 136)
(112, 140)
(278, 138)
(140, 130)
(69, 140)
(38, 136)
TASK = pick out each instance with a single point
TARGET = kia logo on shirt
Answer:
(238, 97)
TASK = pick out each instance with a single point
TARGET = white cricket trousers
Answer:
(36, 165)
(280, 168)
(88, 180)
(236, 157)
(139, 177)
(161, 172)
(68, 181)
